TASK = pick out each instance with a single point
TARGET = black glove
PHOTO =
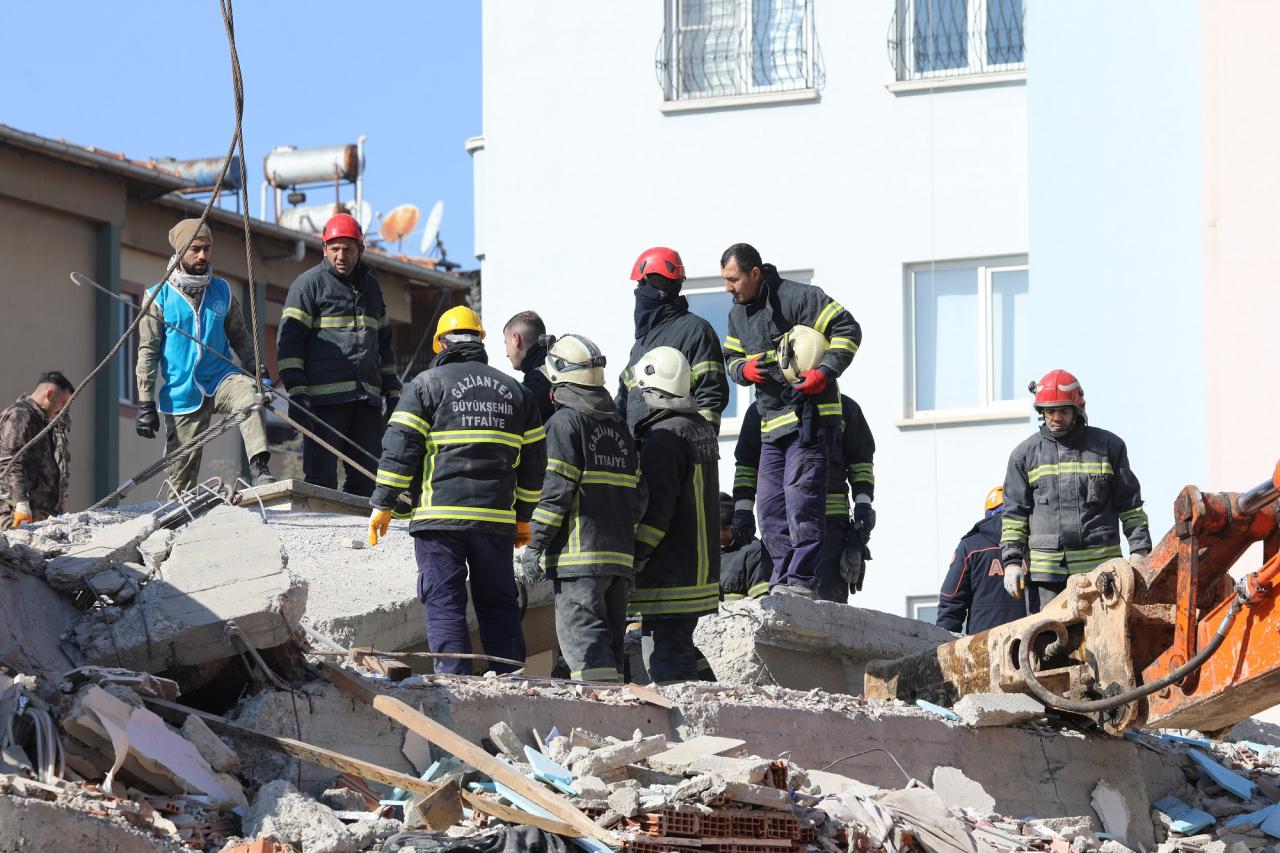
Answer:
(299, 404)
(148, 421)
(389, 408)
(531, 565)
(864, 516)
(744, 527)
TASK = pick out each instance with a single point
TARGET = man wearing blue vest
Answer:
(197, 383)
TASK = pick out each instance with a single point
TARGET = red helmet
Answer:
(660, 261)
(1058, 388)
(342, 225)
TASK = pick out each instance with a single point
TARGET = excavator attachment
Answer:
(1179, 645)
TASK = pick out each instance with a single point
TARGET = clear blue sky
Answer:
(153, 79)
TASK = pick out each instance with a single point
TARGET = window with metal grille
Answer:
(719, 48)
(953, 38)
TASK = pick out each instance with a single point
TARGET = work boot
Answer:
(259, 472)
(792, 589)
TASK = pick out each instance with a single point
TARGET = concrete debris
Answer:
(226, 566)
(997, 709)
(113, 544)
(959, 791)
(619, 755)
(1112, 810)
(214, 749)
(280, 813)
(506, 739)
(155, 548)
(801, 643)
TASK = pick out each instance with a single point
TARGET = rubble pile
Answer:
(159, 691)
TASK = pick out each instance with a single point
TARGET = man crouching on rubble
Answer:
(474, 435)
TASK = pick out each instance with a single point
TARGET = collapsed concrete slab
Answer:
(799, 643)
(31, 824)
(225, 567)
(111, 544)
(32, 619)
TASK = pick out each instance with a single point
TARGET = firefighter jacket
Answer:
(474, 435)
(972, 598)
(697, 342)
(678, 538)
(42, 477)
(1065, 500)
(754, 332)
(745, 572)
(585, 521)
(536, 381)
(851, 467)
(334, 343)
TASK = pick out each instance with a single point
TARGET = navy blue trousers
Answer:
(359, 421)
(791, 505)
(443, 559)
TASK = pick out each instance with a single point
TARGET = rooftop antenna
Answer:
(399, 223)
(431, 232)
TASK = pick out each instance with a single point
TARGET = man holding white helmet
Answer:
(678, 539)
(583, 529)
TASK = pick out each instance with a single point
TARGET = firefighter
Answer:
(791, 341)
(522, 339)
(583, 530)
(973, 598)
(474, 436)
(662, 318)
(850, 468)
(196, 383)
(1068, 491)
(677, 544)
(745, 565)
(334, 347)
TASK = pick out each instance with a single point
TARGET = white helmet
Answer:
(801, 349)
(663, 375)
(575, 359)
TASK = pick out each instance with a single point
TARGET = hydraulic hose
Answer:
(1077, 706)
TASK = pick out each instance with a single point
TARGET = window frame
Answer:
(975, 10)
(987, 407)
(744, 59)
(127, 393)
(742, 394)
(916, 603)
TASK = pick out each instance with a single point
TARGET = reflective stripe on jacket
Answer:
(585, 520)
(745, 572)
(754, 332)
(697, 342)
(851, 467)
(1065, 500)
(474, 435)
(334, 342)
(678, 538)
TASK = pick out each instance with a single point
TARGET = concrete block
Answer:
(802, 643)
(960, 792)
(611, 757)
(997, 709)
(225, 566)
(115, 543)
(22, 557)
(32, 618)
(155, 548)
(625, 801)
(506, 739)
(215, 750)
(678, 757)
(30, 824)
(282, 814)
(1115, 812)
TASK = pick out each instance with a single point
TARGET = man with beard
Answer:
(37, 485)
(197, 383)
(1068, 491)
(662, 318)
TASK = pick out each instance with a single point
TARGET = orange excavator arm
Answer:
(1179, 644)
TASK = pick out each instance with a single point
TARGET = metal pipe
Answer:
(1258, 497)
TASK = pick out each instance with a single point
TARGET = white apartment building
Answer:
(876, 147)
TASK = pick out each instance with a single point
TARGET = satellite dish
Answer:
(364, 216)
(432, 230)
(399, 223)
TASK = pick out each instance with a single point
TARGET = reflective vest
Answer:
(190, 372)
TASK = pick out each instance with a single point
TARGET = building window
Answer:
(952, 38)
(970, 331)
(718, 48)
(127, 358)
(923, 607)
(710, 301)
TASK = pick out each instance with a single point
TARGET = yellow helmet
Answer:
(458, 319)
(995, 499)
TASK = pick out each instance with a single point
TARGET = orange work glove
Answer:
(22, 514)
(523, 534)
(379, 521)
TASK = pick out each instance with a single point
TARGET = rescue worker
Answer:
(850, 468)
(522, 338)
(744, 563)
(197, 383)
(677, 545)
(662, 318)
(583, 529)
(1067, 493)
(973, 598)
(474, 436)
(336, 362)
(37, 485)
(777, 325)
